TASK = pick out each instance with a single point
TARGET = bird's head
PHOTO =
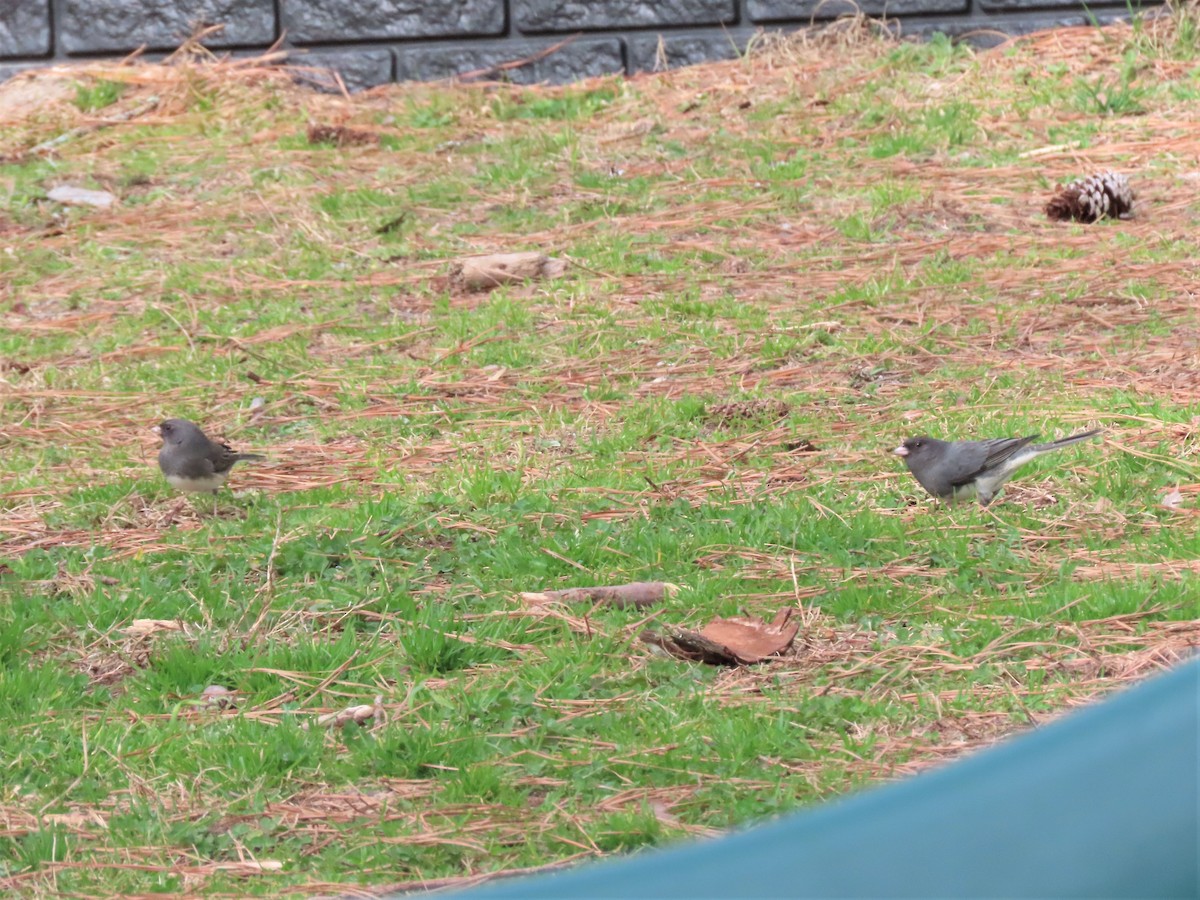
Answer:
(914, 448)
(175, 431)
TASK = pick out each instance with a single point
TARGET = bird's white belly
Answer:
(196, 485)
(968, 491)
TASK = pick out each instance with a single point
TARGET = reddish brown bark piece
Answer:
(730, 642)
(638, 593)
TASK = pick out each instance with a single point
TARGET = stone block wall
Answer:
(371, 42)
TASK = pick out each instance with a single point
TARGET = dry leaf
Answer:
(751, 640)
(730, 642)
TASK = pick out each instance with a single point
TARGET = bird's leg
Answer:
(177, 510)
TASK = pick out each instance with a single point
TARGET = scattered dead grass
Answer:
(1085, 658)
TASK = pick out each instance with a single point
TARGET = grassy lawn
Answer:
(842, 237)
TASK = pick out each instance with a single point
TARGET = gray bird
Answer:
(957, 470)
(191, 461)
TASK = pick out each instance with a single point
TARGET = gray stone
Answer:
(976, 32)
(124, 25)
(308, 21)
(585, 15)
(586, 60)
(968, 31)
(818, 10)
(680, 50)
(359, 69)
(25, 28)
(578, 59)
(989, 31)
(427, 32)
(1032, 5)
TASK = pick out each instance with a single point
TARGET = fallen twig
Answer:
(46, 146)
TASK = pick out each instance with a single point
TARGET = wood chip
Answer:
(638, 593)
(141, 628)
(482, 273)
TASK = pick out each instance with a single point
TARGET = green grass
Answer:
(98, 94)
(862, 241)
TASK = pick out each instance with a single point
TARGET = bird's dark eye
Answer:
(917, 444)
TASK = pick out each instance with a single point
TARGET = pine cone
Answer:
(1089, 199)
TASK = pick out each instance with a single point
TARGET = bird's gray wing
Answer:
(222, 456)
(1001, 450)
(969, 459)
(192, 466)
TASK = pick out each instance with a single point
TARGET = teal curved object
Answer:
(1100, 803)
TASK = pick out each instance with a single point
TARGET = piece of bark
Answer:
(141, 628)
(729, 642)
(340, 136)
(740, 410)
(482, 273)
(638, 593)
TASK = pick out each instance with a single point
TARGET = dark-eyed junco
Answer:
(956, 470)
(191, 461)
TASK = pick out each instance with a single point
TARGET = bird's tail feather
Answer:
(1067, 441)
(247, 457)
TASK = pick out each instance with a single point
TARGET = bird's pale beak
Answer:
(157, 430)
(901, 451)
